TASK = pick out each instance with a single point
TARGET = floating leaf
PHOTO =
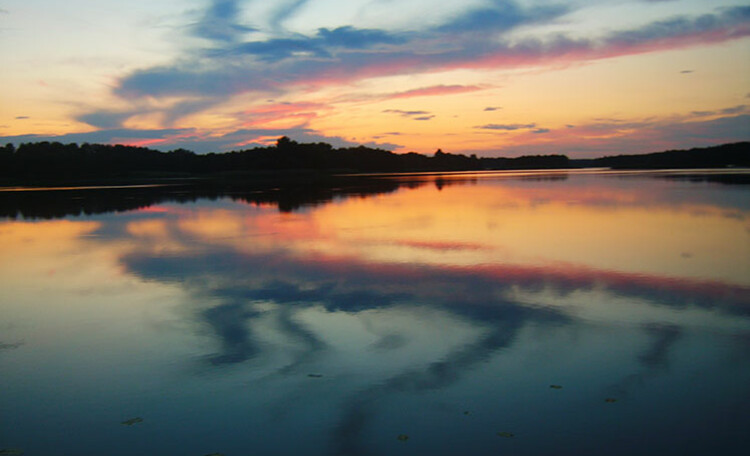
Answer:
(506, 434)
(315, 375)
(132, 421)
(556, 387)
(610, 400)
(402, 437)
(11, 451)
(13, 346)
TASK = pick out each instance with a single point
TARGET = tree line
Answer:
(54, 161)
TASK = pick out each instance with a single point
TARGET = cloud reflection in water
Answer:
(413, 296)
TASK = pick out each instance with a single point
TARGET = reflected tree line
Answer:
(288, 193)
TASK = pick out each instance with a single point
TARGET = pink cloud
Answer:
(437, 90)
(297, 113)
(443, 245)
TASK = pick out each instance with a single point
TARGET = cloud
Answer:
(506, 127)
(192, 79)
(220, 22)
(493, 108)
(443, 246)
(541, 130)
(730, 23)
(686, 71)
(22, 117)
(429, 91)
(414, 115)
(502, 15)
(437, 90)
(325, 44)
(351, 38)
(286, 61)
(105, 119)
(279, 49)
(735, 110)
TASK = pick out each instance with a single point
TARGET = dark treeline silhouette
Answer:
(45, 162)
(736, 154)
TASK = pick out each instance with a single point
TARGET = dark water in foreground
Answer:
(469, 314)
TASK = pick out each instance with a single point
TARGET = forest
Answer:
(54, 161)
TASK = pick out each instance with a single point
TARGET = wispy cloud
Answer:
(414, 115)
(506, 127)
(437, 90)
(735, 110)
(502, 15)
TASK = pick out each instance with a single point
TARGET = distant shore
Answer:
(51, 163)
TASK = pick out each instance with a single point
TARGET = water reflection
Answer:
(381, 308)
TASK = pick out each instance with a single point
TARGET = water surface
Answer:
(530, 313)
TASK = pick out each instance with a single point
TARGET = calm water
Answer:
(522, 314)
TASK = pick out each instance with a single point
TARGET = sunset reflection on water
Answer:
(229, 325)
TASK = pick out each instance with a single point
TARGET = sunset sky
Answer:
(491, 77)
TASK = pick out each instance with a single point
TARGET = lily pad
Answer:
(132, 421)
(402, 437)
(610, 400)
(507, 435)
(556, 387)
(11, 451)
(315, 375)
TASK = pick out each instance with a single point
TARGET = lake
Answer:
(524, 313)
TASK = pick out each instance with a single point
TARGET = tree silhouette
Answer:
(56, 162)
